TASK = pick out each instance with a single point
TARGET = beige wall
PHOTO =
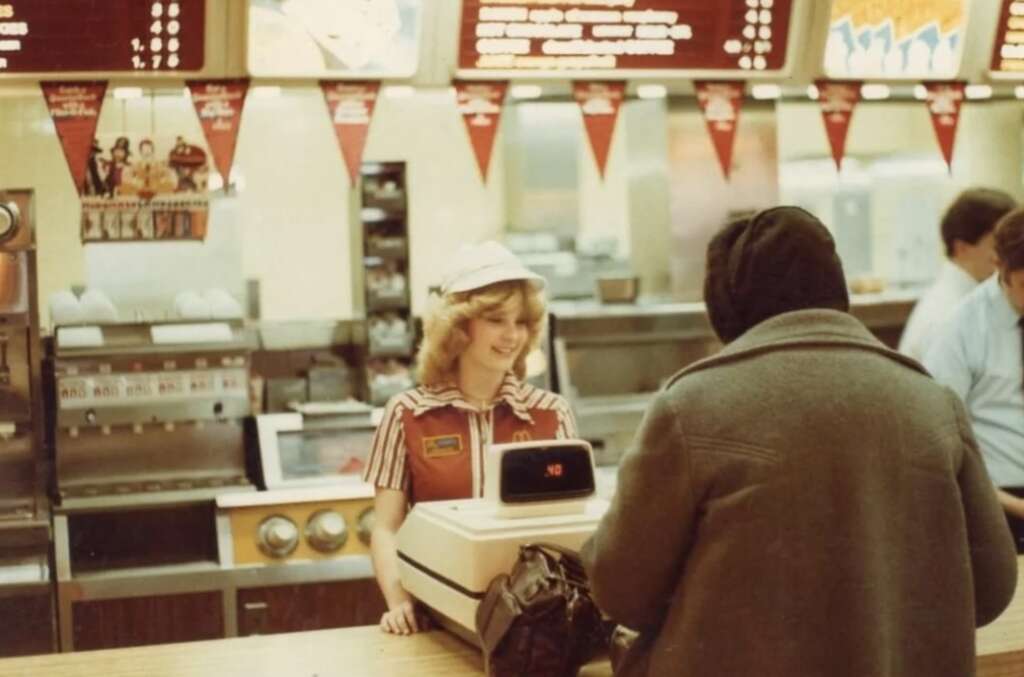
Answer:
(288, 225)
(289, 221)
(894, 162)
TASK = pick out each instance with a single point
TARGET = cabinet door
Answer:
(309, 606)
(135, 621)
(28, 625)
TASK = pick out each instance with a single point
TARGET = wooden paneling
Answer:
(27, 625)
(310, 606)
(137, 621)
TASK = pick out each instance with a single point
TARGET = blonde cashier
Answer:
(430, 443)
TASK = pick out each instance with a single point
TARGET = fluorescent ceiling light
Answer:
(874, 92)
(526, 91)
(127, 92)
(978, 92)
(651, 91)
(266, 92)
(762, 92)
(1018, 91)
(920, 92)
(399, 92)
(812, 92)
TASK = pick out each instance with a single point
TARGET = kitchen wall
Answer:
(288, 223)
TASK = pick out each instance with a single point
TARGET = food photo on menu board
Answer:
(895, 39)
(589, 35)
(139, 187)
(330, 38)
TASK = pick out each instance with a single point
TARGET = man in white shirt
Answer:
(978, 353)
(967, 235)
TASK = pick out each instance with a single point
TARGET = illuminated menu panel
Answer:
(913, 39)
(47, 36)
(334, 38)
(531, 35)
(1008, 50)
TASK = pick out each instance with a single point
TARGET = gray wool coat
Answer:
(806, 502)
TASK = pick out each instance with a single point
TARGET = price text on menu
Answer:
(1008, 50)
(46, 36)
(743, 35)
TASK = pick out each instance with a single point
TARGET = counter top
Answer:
(366, 651)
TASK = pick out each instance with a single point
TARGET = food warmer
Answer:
(298, 552)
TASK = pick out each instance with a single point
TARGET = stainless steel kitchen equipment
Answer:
(149, 431)
(609, 360)
(297, 555)
(26, 589)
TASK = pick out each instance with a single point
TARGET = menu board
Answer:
(1008, 49)
(607, 35)
(334, 39)
(912, 39)
(46, 36)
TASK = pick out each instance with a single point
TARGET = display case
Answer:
(391, 333)
(297, 554)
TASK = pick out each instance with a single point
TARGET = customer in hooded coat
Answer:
(807, 501)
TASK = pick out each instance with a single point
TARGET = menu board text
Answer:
(47, 36)
(569, 35)
(1008, 50)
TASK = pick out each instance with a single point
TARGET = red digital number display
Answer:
(47, 36)
(734, 35)
(554, 470)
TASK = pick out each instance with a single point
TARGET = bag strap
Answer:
(569, 560)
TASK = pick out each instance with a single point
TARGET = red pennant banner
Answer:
(75, 109)
(600, 102)
(219, 104)
(350, 105)
(837, 99)
(944, 100)
(720, 101)
(480, 104)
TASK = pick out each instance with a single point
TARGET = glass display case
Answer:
(316, 448)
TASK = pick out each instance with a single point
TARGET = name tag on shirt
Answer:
(442, 445)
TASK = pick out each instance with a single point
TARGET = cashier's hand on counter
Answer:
(403, 619)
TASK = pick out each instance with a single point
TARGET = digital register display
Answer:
(546, 473)
(528, 35)
(43, 36)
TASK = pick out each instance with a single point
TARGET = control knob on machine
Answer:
(326, 530)
(366, 519)
(278, 536)
(9, 218)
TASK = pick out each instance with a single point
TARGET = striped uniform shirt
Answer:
(430, 442)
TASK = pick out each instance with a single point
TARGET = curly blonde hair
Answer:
(446, 328)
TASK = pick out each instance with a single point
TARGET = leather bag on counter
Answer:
(539, 620)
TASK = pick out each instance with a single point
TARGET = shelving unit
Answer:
(391, 334)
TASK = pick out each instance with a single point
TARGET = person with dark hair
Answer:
(978, 355)
(805, 502)
(967, 237)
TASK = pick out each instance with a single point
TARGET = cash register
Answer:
(540, 491)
